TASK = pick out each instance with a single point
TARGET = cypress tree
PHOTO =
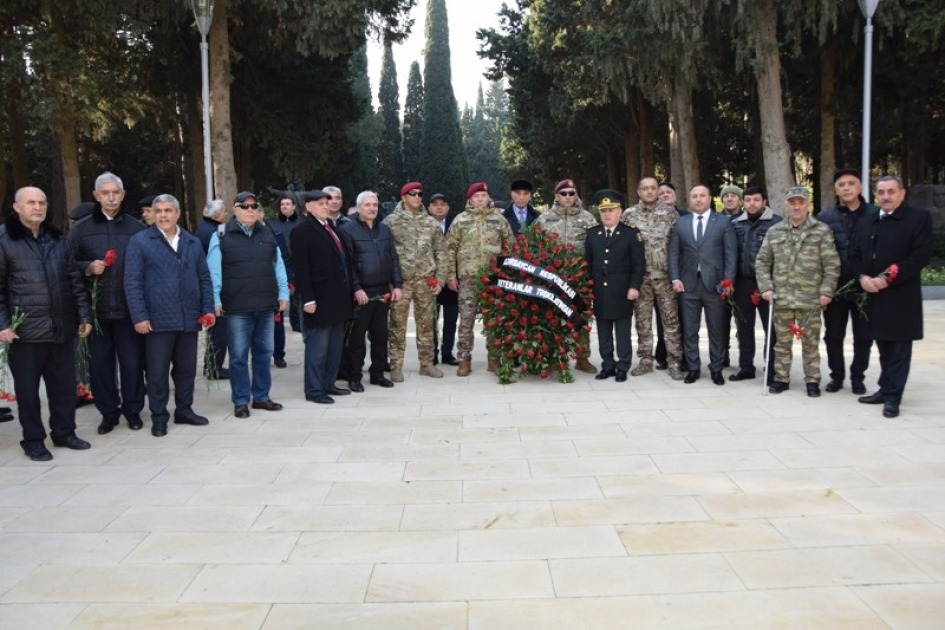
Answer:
(390, 151)
(413, 123)
(442, 160)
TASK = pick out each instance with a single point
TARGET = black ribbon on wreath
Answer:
(570, 304)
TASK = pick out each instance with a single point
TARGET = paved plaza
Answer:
(461, 503)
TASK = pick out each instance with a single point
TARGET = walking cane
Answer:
(764, 383)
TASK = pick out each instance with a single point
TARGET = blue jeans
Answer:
(323, 345)
(245, 331)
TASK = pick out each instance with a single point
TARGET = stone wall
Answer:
(931, 198)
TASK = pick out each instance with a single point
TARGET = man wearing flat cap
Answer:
(475, 236)
(614, 252)
(423, 259)
(520, 213)
(569, 221)
(843, 219)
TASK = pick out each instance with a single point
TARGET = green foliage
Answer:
(442, 162)
(483, 140)
(933, 276)
(413, 123)
(390, 150)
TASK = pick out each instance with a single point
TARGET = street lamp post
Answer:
(203, 12)
(868, 7)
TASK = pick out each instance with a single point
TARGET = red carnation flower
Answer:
(756, 298)
(432, 282)
(110, 256)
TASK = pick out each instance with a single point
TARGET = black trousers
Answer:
(835, 329)
(175, 351)
(895, 359)
(218, 337)
(371, 320)
(448, 303)
(55, 364)
(117, 340)
(745, 325)
(606, 329)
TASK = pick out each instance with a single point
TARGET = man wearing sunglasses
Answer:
(249, 283)
(421, 248)
(570, 221)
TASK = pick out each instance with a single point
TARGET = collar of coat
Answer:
(767, 215)
(18, 231)
(573, 211)
(98, 215)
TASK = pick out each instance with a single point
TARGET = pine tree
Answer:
(390, 151)
(483, 136)
(358, 168)
(442, 161)
(413, 123)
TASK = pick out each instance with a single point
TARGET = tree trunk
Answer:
(828, 128)
(777, 152)
(675, 174)
(16, 130)
(69, 153)
(689, 157)
(631, 150)
(647, 151)
(222, 131)
(195, 181)
(613, 176)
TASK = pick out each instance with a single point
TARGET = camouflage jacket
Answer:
(419, 243)
(475, 236)
(799, 264)
(656, 227)
(570, 224)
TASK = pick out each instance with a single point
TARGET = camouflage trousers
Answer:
(468, 309)
(657, 292)
(783, 347)
(416, 291)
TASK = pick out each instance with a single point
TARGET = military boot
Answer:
(465, 367)
(641, 369)
(493, 365)
(396, 374)
(432, 372)
(675, 373)
(584, 365)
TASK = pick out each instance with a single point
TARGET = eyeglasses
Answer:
(646, 188)
(567, 193)
(415, 193)
(248, 206)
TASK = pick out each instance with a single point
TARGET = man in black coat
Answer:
(376, 281)
(447, 300)
(887, 256)
(615, 254)
(850, 211)
(520, 213)
(109, 229)
(214, 215)
(323, 280)
(40, 280)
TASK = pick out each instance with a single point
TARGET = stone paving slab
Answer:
(461, 503)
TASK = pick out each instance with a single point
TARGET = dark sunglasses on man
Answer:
(248, 206)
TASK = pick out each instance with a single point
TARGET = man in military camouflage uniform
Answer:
(655, 220)
(475, 236)
(422, 252)
(797, 269)
(570, 221)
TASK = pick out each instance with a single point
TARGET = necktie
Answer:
(699, 230)
(334, 236)
(607, 233)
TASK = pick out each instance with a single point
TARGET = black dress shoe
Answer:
(834, 386)
(134, 421)
(605, 374)
(267, 405)
(106, 426)
(159, 429)
(241, 411)
(857, 387)
(381, 381)
(194, 419)
(356, 386)
(872, 399)
(691, 377)
(661, 365)
(449, 359)
(621, 376)
(324, 399)
(891, 409)
(6, 417)
(71, 441)
(717, 378)
(337, 391)
(742, 375)
(813, 390)
(37, 452)
(777, 387)
(279, 363)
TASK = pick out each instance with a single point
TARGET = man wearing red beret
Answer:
(421, 248)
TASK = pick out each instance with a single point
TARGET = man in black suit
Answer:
(615, 254)
(520, 213)
(899, 235)
(323, 280)
(447, 300)
(702, 253)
